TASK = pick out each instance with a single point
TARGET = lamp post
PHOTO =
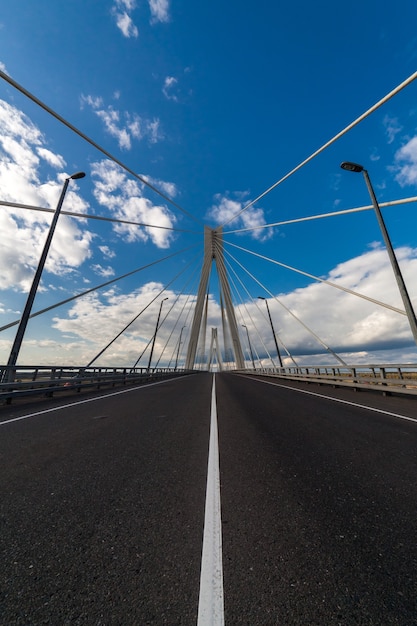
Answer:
(178, 351)
(250, 346)
(154, 336)
(273, 331)
(412, 320)
(14, 353)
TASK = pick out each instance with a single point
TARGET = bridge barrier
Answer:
(388, 379)
(36, 380)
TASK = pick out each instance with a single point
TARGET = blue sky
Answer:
(212, 103)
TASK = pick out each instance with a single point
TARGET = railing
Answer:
(48, 380)
(45, 380)
(391, 378)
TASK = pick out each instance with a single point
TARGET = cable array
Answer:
(350, 126)
(228, 266)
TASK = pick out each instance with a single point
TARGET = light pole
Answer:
(14, 353)
(412, 320)
(178, 351)
(250, 347)
(154, 336)
(273, 331)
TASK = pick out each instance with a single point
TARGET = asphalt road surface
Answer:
(103, 513)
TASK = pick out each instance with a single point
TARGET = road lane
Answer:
(400, 406)
(371, 398)
(102, 509)
(319, 509)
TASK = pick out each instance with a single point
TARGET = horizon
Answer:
(202, 135)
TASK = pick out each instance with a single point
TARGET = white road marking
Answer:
(339, 400)
(107, 395)
(211, 604)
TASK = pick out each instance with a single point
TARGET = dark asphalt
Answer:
(319, 508)
(102, 507)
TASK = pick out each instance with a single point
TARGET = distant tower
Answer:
(214, 354)
(213, 252)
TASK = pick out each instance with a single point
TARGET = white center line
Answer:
(211, 605)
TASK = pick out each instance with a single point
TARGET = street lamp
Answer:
(355, 167)
(154, 336)
(14, 353)
(250, 347)
(273, 331)
(178, 351)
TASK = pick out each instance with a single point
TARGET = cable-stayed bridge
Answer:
(221, 284)
(218, 477)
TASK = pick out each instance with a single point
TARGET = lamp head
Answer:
(261, 298)
(77, 175)
(351, 167)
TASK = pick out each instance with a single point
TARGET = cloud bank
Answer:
(124, 198)
(23, 154)
(356, 329)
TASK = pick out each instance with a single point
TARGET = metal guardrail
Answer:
(38, 380)
(48, 380)
(386, 378)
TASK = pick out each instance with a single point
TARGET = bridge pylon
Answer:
(214, 254)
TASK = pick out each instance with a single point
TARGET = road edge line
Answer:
(338, 400)
(87, 400)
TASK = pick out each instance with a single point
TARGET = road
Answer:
(104, 511)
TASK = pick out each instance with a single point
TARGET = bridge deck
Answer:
(103, 505)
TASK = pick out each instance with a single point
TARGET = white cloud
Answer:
(128, 5)
(111, 119)
(374, 156)
(2, 65)
(406, 163)
(169, 189)
(153, 131)
(159, 10)
(56, 160)
(121, 12)
(168, 89)
(19, 151)
(392, 127)
(226, 208)
(124, 198)
(24, 232)
(123, 125)
(106, 272)
(16, 124)
(134, 125)
(95, 102)
(125, 23)
(105, 250)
